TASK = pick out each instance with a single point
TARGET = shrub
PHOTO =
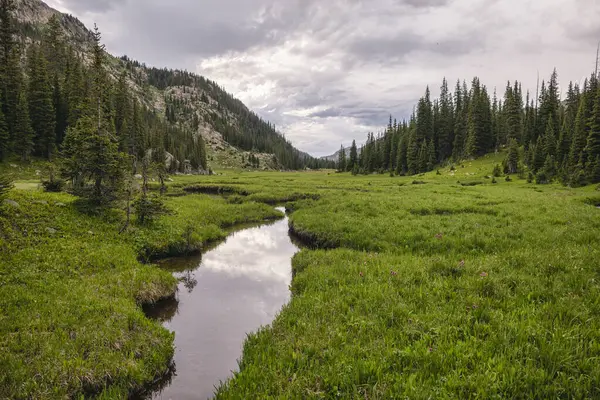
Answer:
(189, 237)
(541, 178)
(521, 171)
(472, 183)
(5, 186)
(53, 184)
(497, 171)
(235, 199)
(148, 208)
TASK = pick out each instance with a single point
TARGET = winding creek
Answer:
(231, 290)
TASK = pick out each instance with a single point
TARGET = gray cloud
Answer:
(425, 3)
(327, 72)
(328, 113)
(82, 6)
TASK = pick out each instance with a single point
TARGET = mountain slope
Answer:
(336, 156)
(235, 136)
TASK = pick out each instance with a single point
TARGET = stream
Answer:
(231, 290)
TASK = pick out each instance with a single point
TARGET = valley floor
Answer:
(437, 286)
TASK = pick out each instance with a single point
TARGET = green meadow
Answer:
(435, 286)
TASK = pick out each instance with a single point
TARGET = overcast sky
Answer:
(328, 71)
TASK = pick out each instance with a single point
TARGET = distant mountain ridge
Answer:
(336, 156)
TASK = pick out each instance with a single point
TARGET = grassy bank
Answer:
(433, 290)
(364, 325)
(71, 289)
(196, 221)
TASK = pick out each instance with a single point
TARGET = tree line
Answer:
(48, 88)
(547, 138)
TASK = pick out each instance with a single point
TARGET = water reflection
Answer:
(164, 310)
(231, 290)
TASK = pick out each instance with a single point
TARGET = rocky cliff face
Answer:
(336, 156)
(32, 16)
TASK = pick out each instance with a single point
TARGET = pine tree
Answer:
(13, 88)
(461, 123)
(4, 136)
(424, 126)
(24, 134)
(41, 110)
(402, 163)
(412, 156)
(513, 109)
(538, 155)
(436, 127)
(342, 160)
(387, 146)
(75, 89)
(7, 38)
(91, 150)
(53, 46)
(564, 143)
(394, 149)
(592, 150)
(549, 104)
(423, 156)
(371, 153)
(479, 121)
(548, 172)
(9, 73)
(446, 132)
(550, 139)
(135, 135)
(431, 156)
(512, 161)
(496, 121)
(7, 29)
(580, 135)
(529, 132)
(568, 126)
(6, 186)
(122, 104)
(353, 156)
(61, 111)
(594, 170)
